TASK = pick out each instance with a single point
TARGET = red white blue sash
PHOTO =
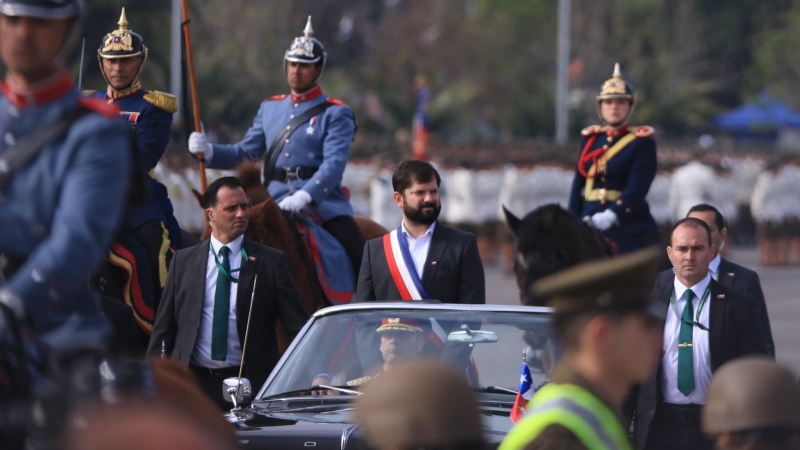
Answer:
(401, 266)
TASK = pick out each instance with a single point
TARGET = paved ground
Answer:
(781, 289)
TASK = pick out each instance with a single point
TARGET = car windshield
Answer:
(349, 348)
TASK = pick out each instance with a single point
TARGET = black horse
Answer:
(547, 240)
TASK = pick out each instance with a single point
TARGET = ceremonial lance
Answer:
(201, 160)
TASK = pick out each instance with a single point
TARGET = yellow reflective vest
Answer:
(577, 410)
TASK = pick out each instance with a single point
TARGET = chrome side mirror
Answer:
(237, 391)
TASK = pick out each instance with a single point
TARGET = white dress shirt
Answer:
(419, 247)
(201, 356)
(713, 267)
(701, 357)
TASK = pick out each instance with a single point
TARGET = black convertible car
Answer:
(308, 400)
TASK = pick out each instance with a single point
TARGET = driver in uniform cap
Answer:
(60, 209)
(420, 405)
(310, 161)
(611, 333)
(616, 166)
(753, 404)
(150, 229)
(402, 340)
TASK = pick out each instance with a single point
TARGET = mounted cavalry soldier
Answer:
(305, 137)
(142, 249)
(65, 160)
(616, 166)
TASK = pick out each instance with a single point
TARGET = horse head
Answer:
(547, 240)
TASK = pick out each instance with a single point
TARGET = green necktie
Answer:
(685, 363)
(222, 303)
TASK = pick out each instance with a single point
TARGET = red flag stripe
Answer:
(398, 279)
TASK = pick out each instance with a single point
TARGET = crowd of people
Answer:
(757, 197)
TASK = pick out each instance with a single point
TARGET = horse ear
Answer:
(513, 222)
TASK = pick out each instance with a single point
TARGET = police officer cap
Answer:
(122, 42)
(42, 9)
(751, 393)
(619, 284)
(306, 49)
(616, 87)
(419, 405)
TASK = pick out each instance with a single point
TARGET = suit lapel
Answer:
(434, 259)
(197, 283)
(245, 285)
(723, 270)
(716, 323)
(662, 296)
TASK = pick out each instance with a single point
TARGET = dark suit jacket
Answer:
(179, 314)
(457, 276)
(741, 280)
(733, 334)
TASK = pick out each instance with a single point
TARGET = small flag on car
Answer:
(525, 393)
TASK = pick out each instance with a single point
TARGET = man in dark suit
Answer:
(730, 275)
(426, 260)
(202, 318)
(707, 325)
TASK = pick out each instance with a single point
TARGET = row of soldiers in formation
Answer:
(744, 189)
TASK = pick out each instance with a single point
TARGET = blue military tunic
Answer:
(323, 143)
(150, 113)
(59, 213)
(621, 165)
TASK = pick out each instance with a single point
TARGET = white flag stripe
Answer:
(401, 266)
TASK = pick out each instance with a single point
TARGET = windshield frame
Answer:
(377, 306)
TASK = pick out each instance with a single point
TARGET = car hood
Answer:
(261, 426)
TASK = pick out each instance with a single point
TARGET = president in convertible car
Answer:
(422, 259)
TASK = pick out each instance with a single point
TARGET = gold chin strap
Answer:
(603, 195)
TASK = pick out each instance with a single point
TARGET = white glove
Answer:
(604, 220)
(295, 202)
(587, 220)
(199, 144)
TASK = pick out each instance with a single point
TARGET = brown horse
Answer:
(271, 227)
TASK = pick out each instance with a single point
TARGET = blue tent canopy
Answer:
(764, 114)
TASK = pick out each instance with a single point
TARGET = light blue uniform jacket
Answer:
(323, 142)
(60, 212)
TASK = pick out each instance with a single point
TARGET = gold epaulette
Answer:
(165, 101)
(89, 92)
(644, 131)
(592, 130)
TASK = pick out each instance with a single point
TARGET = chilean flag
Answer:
(419, 128)
(526, 391)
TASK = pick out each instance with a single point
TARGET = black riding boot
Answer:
(346, 231)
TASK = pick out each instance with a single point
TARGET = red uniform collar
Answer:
(617, 132)
(112, 93)
(40, 93)
(306, 96)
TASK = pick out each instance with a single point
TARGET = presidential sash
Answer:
(401, 266)
(404, 274)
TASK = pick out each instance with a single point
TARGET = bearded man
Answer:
(421, 259)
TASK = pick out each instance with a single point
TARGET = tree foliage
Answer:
(490, 64)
